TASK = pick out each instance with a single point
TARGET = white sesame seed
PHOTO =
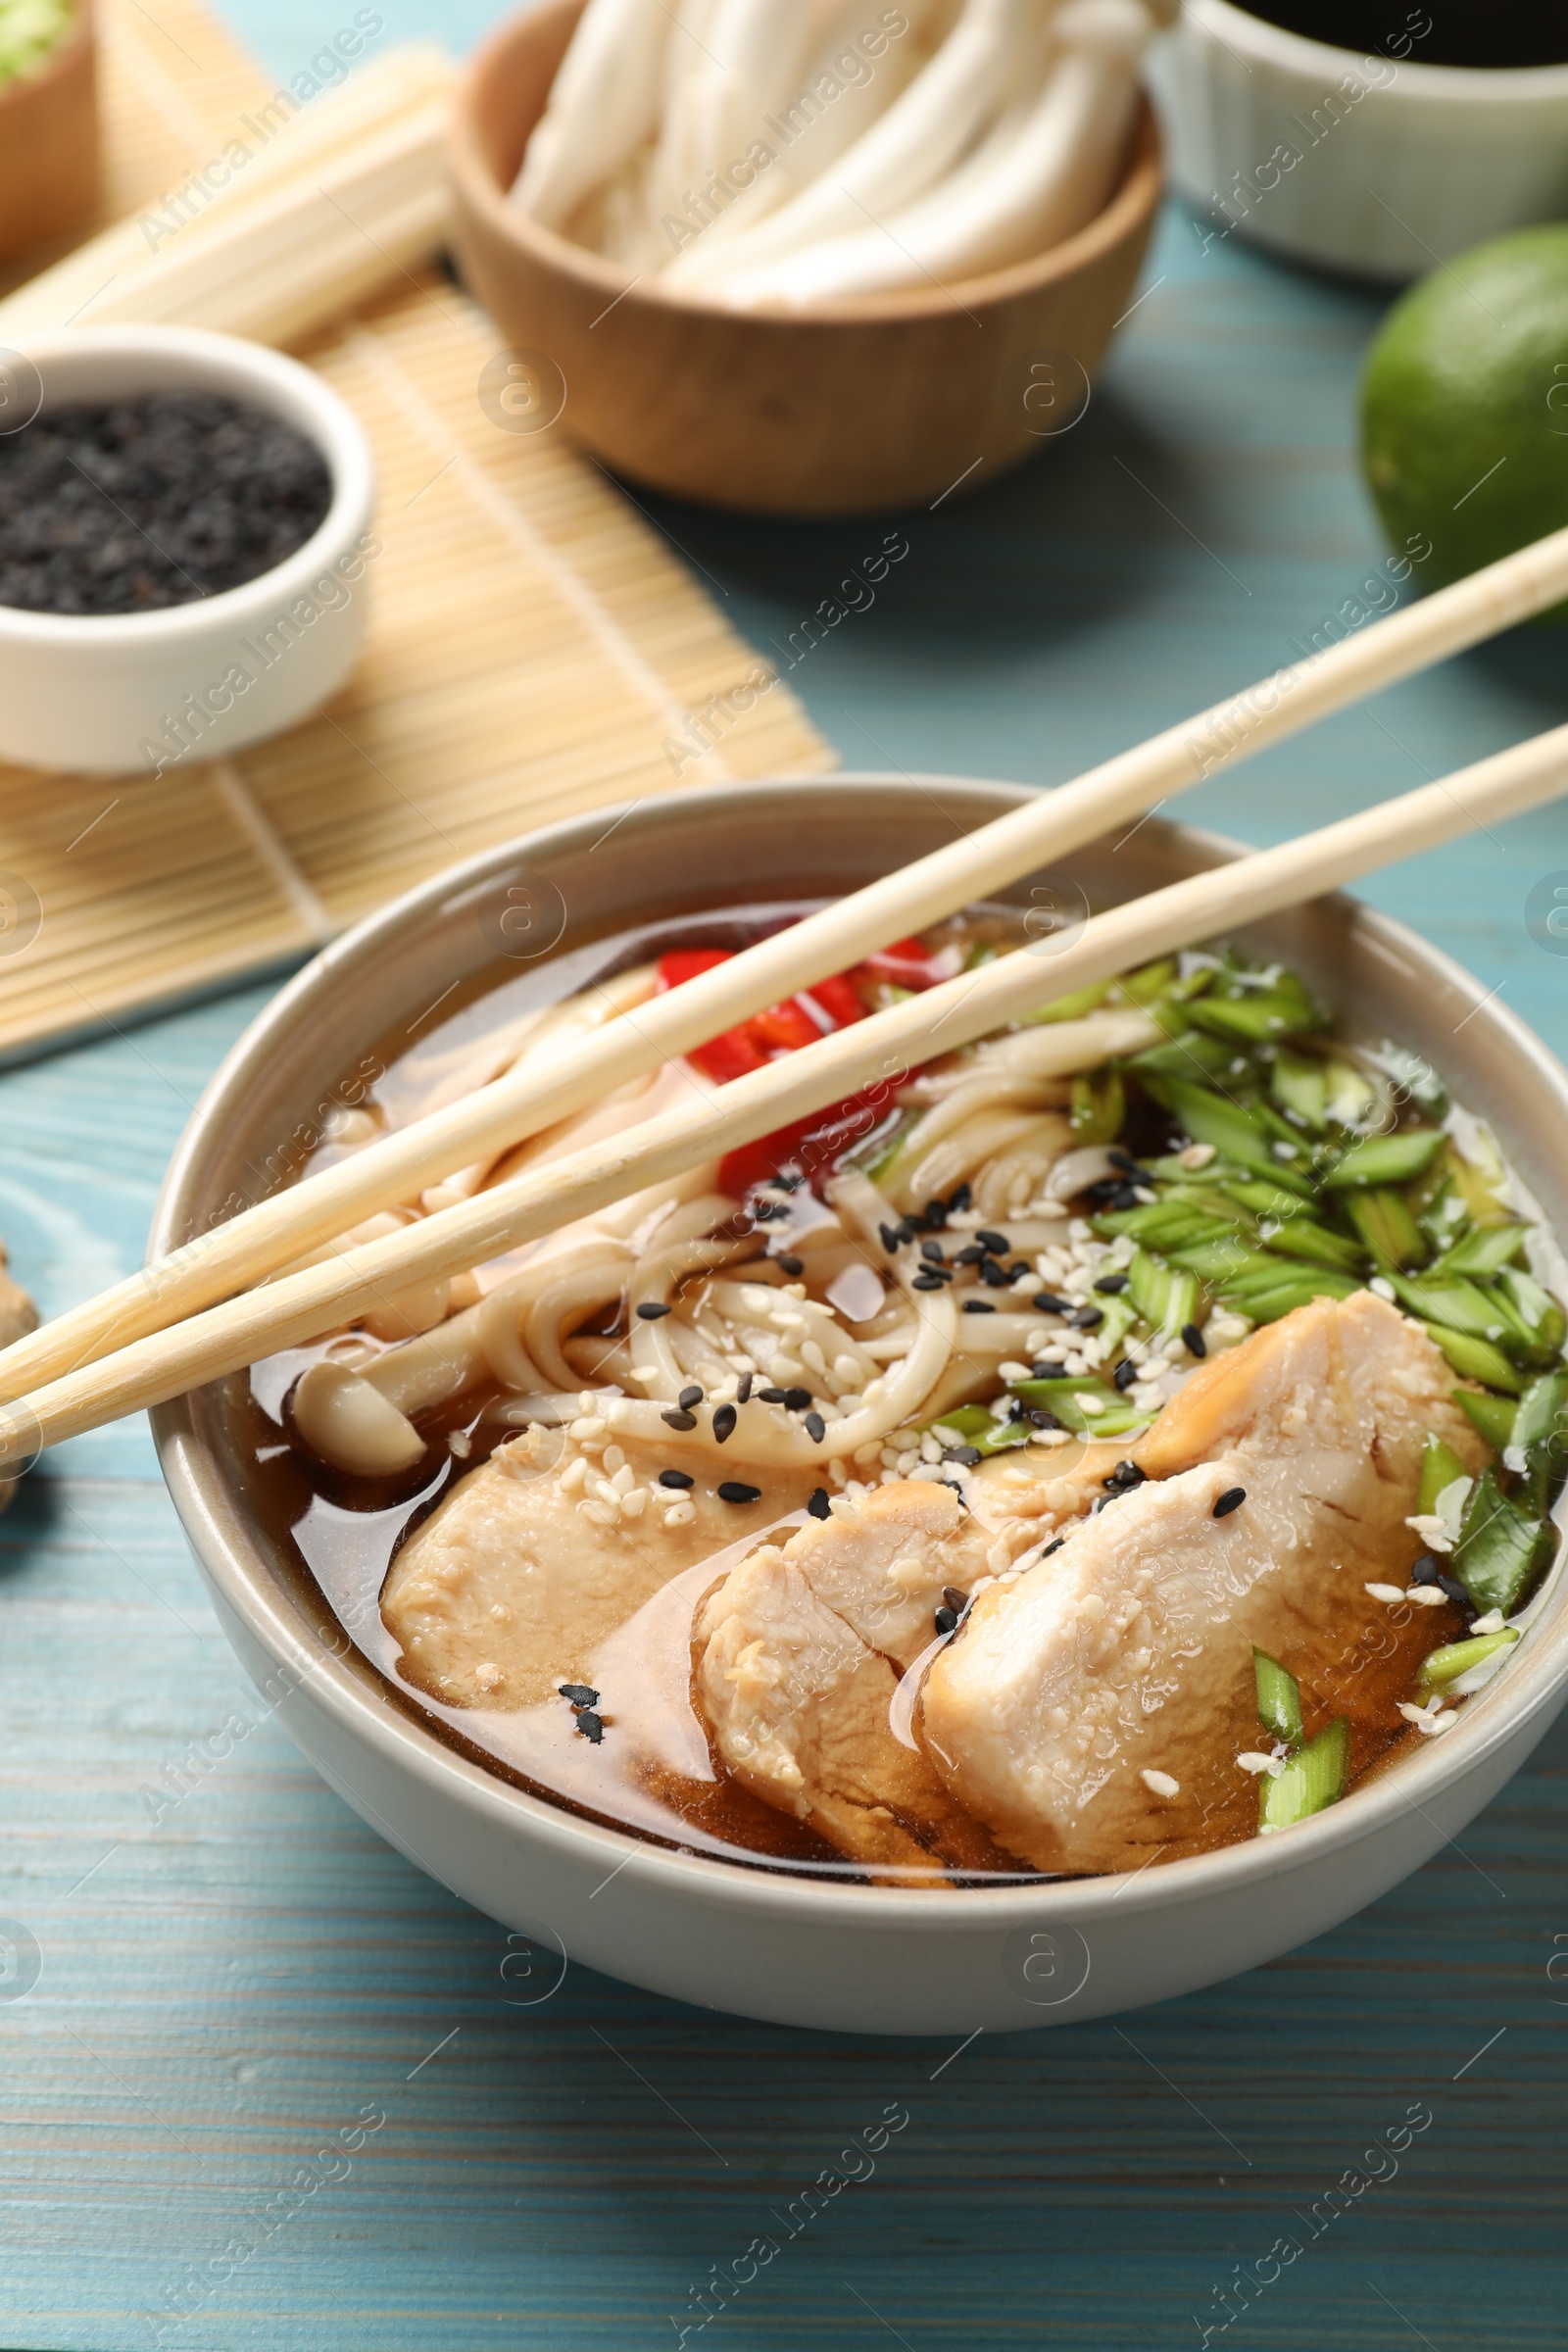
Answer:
(1389, 1592)
(1161, 1783)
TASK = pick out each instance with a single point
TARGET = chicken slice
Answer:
(1129, 1648)
(507, 1589)
(799, 1652)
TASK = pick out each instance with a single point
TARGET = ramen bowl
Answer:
(754, 1939)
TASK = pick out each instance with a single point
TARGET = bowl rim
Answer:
(82, 34)
(253, 369)
(1532, 1686)
(1132, 203)
(1300, 54)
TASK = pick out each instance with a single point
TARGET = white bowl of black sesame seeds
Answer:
(185, 547)
(762, 1934)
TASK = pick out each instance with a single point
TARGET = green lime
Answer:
(1464, 406)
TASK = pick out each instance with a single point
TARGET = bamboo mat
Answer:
(533, 645)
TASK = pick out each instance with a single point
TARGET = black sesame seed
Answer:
(892, 1239)
(955, 1599)
(978, 1307)
(1193, 1341)
(947, 1621)
(1126, 1196)
(732, 1490)
(994, 1277)
(988, 1238)
(790, 1264)
(677, 1478)
(1125, 1374)
(1019, 1270)
(689, 1396)
(1113, 1285)
(771, 1395)
(797, 1400)
(907, 1229)
(1426, 1571)
(1049, 1304)
(1050, 1547)
(765, 1211)
(723, 1424)
(935, 1214)
(580, 1695)
(1231, 1501)
(1087, 1318)
(1037, 1417)
(970, 1255)
(650, 1310)
(967, 1456)
(932, 1251)
(1046, 1368)
(589, 1725)
(1455, 1589)
(742, 1395)
(679, 1420)
(930, 1280)
(818, 1503)
(959, 1198)
(1123, 1160)
(1125, 1477)
(815, 1428)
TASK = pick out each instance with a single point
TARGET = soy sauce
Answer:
(1446, 33)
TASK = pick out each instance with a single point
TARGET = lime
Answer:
(1464, 406)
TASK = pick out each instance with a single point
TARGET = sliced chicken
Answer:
(1129, 1650)
(799, 1653)
(507, 1589)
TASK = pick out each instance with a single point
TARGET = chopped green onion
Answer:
(1300, 1084)
(1385, 1158)
(1541, 1432)
(1209, 1118)
(1537, 1313)
(1501, 1550)
(1165, 1296)
(1387, 1225)
(1460, 1306)
(1493, 1416)
(1071, 1009)
(1353, 1097)
(1064, 1397)
(1221, 1259)
(1099, 1106)
(1310, 1781)
(1189, 1056)
(1477, 1359)
(1484, 1249)
(1256, 1017)
(1305, 1239)
(1446, 1665)
(974, 1425)
(1440, 1467)
(1151, 980)
(1279, 1697)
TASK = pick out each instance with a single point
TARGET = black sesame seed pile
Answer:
(152, 501)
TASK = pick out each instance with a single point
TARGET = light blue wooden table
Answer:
(223, 1991)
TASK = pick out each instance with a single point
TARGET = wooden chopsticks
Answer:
(301, 1306)
(291, 1224)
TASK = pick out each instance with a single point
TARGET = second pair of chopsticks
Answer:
(288, 1226)
(301, 1306)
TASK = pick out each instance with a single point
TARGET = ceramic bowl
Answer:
(753, 1940)
(1375, 165)
(49, 142)
(856, 409)
(149, 691)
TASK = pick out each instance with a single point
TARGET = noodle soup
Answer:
(1104, 1444)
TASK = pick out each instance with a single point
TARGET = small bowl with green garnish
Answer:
(48, 120)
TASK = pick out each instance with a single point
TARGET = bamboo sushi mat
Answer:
(532, 646)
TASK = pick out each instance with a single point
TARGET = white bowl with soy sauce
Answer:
(296, 1581)
(185, 547)
(1371, 142)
